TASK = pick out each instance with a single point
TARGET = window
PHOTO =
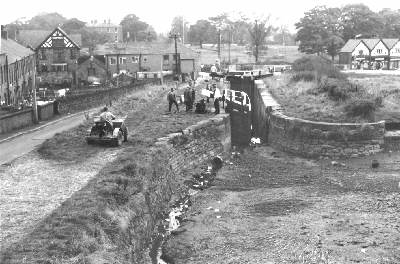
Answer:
(91, 71)
(116, 30)
(397, 50)
(166, 59)
(113, 61)
(360, 52)
(72, 54)
(59, 55)
(135, 59)
(144, 58)
(116, 38)
(42, 54)
(379, 51)
(122, 60)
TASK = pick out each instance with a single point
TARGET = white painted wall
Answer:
(395, 51)
(380, 47)
(361, 47)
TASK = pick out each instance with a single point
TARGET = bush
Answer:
(360, 107)
(306, 76)
(322, 67)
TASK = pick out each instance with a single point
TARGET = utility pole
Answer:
(183, 30)
(229, 44)
(219, 44)
(175, 36)
(35, 113)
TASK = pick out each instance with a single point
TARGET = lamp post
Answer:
(175, 36)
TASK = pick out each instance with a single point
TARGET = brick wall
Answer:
(76, 103)
(16, 120)
(315, 139)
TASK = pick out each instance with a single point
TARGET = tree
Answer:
(333, 45)
(358, 19)
(391, 22)
(202, 31)
(91, 38)
(72, 24)
(133, 28)
(258, 33)
(180, 26)
(318, 28)
(47, 21)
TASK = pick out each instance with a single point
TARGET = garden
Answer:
(316, 90)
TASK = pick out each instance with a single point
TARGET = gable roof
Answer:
(350, 45)
(390, 43)
(34, 38)
(371, 43)
(13, 50)
(146, 48)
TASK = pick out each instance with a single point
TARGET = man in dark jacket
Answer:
(188, 98)
(216, 105)
(172, 100)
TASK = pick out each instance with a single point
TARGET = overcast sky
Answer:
(159, 14)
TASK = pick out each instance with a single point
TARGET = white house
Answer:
(394, 52)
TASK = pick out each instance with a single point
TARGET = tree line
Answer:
(325, 30)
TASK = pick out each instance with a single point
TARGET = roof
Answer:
(390, 42)
(146, 48)
(371, 43)
(34, 38)
(350, 45)
(13, 50)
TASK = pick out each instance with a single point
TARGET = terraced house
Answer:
(370, 54)
(57, 56)
(17, 71)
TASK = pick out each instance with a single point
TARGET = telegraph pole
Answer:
(175, 36)
(219, 44)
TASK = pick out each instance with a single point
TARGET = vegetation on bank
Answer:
(316, 90)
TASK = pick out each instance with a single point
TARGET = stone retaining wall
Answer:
(315, 139)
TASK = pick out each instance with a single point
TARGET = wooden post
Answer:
(35, 112)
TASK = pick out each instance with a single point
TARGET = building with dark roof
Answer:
(57, 59)
(148, 56)
(17, 71)
(370, 53)
(91, 68)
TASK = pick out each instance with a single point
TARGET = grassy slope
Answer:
(298, 101)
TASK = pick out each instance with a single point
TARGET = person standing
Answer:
(187, 98)
(172, 100)
(193, 96)
(216, 105)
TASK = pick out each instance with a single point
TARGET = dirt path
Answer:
(268, 207)
(35, 184)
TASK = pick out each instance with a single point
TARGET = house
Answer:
(148, 56)
(113, 31)
(17, 71)
(57, 60)
(394, 52)
(370, 53)
(92, 68)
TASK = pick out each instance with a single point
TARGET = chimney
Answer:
(4, 33)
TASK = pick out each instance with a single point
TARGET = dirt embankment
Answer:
(268, 207)
(74, 203)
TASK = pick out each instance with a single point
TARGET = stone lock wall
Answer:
(316, 139)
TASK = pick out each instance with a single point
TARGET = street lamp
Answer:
(175, 36)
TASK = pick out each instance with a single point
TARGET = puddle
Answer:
(172, 221)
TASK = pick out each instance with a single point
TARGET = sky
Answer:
(159, 14)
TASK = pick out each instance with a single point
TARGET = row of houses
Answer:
(59, 62)
(370, 54)
(17, 71)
